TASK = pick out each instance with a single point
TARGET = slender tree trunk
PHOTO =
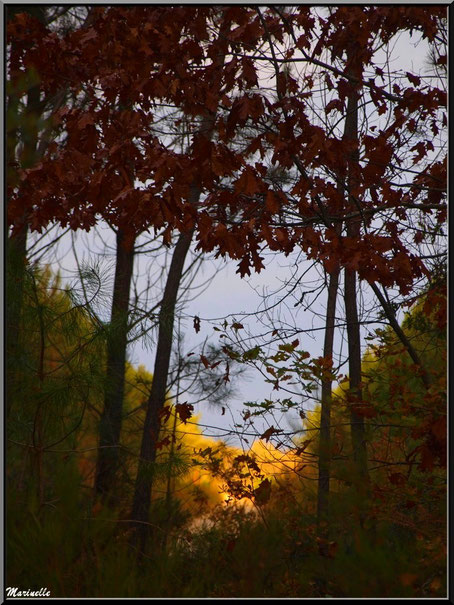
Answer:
(391, 317)
(351, 311)
(354, 370)
(25, 130)
(38, 422)
(350, 131)
(15, 276)
(16, 258)
(169, 483)
(325, 413)
(156, 401)
(158, 394)
(110, 425)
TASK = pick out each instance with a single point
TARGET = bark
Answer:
(108, 461)
(351, 312)
(325, 415)
(354, 370)
(16, 259)
(15, 276)
(169, 485)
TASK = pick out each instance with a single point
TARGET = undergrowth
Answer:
(232, 554)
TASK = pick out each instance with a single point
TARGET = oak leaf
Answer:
(268, 433)
(262, 493)
(184, 411)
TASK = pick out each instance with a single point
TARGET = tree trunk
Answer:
(156, 401)
(325, 412)
(110, 425)
(351, 310)
(15, 275)
(158, 394)
(170, 482)
(354, 370)
(391, 317)
(16, 259)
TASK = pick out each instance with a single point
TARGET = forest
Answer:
(165, 435)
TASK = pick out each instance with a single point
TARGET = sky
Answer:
(227, 297)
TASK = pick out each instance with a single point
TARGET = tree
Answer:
(110, 422)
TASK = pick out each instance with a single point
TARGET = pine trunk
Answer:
(357, 426)
(158, 394)
(325, 413)
(110, 425)
(16, 259)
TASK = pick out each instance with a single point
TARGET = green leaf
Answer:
(252, 354)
